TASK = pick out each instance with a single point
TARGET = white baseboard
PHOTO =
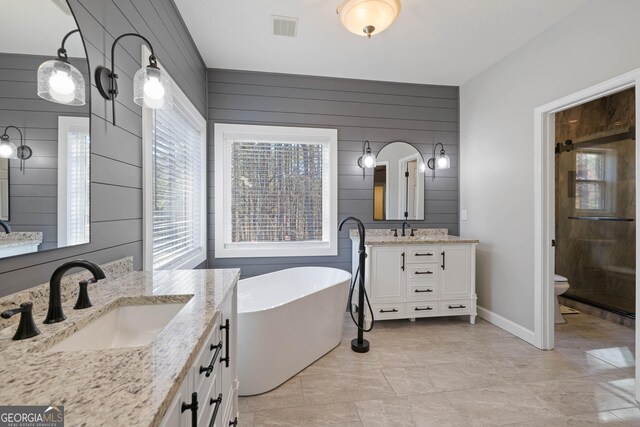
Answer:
(506, 324)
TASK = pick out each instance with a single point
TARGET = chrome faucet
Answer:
(7, 228)
(405, 224)
(55, 314)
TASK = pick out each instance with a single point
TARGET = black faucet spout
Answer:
(55, 313)
(5, 226)
(405, 224)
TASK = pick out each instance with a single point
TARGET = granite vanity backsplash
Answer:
(39, 295)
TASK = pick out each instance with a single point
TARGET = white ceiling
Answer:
(432, 41)
(36, 27)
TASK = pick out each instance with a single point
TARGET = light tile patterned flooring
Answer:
(446, 372)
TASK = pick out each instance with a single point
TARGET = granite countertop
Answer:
(20, 238)
(122, 386)
(423, 236)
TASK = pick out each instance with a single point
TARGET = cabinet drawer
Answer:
(422, 274)
(421, 292)
(202, 382)
(422, 309)
(388, 311)
(422, 254)
(453, 307)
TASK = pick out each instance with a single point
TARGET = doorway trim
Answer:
(544, 205)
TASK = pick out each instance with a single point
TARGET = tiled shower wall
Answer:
(361, 110)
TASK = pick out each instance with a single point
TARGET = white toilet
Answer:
(561, 285)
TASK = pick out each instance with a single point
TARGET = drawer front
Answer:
(422, 292)
(454, 307)
(388, 311)
(202, 382)
(422, 274)
(422, 254)
(422, 309)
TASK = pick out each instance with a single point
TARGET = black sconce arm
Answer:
(62, 52)
(19, 131)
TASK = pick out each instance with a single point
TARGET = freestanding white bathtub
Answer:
(287, 320)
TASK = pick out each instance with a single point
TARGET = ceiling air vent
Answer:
(285, 26)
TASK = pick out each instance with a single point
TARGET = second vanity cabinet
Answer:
(420, 280)
(208, 395)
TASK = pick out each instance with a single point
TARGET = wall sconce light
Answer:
(441, 162)
(368, 159)
(9, 150)
(59, 81)
(151, 85)
(366, 17)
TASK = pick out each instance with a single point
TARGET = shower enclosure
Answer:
(595, 202)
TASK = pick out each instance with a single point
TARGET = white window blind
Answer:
(74, 181)
(275, 191)
(590, 180)
(177, 187)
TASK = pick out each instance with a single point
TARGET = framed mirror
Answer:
(44, 128)
(398, 183)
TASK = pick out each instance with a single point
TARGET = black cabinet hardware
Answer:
(209, 369)
(234, 423)
(457, 306)
(423, 272)
(227, 344)
(393, 310)
(27, 327)
(427, 254)
(443, 260)
(402, 261)
(422, 290)
(423, 309)
(193, 407)
(217, 401)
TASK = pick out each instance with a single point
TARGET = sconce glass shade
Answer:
(61, 82)
(8, 149)
(368, 17)
(152, 88)
(443, 161)
(368, 160)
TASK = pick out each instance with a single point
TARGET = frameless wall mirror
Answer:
(44, 128)
(398, 183)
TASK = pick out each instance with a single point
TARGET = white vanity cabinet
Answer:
(419, 280)
(211, 386)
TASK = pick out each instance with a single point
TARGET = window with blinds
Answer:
(174, 188)
(177, 184)
(74, 180)
(275, 191)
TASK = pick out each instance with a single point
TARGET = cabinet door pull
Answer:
(443, 260)
(393, 310)
(209, 369)
(423, 272)
(227, 345)
(422, 290)
(402, 261)
(217, 401)
(451, 307)
(423, 309)
(193, 407)
(427, 254)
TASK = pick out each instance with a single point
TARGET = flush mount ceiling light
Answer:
(59, 81)
(368, 17)
(151, 85)
(9, 150)
(441, 162)
(368, 159)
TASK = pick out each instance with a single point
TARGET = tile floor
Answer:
(446, 372)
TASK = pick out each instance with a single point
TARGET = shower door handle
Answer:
(403, 256)
(443, 260)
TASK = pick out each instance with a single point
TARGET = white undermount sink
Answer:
(125, 326)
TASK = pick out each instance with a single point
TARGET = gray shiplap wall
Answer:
(378, 111)
(116, 160)
(33, 194)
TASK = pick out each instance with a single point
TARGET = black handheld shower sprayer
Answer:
(359, 344)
